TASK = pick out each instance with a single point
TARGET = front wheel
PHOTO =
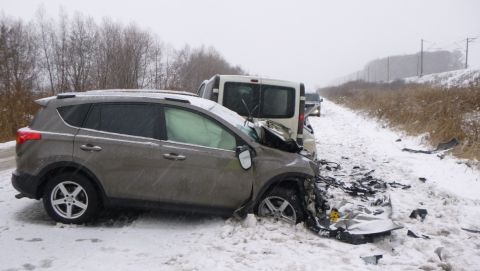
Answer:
(70, 199)
(281, 204)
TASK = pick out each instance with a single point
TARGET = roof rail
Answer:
(65, 95)
(177, 100)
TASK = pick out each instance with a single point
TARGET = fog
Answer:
(310, 41)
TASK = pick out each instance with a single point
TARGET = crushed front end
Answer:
(354, 211)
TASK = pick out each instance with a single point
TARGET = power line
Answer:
(468, 40)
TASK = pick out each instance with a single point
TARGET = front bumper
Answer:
(26, 184)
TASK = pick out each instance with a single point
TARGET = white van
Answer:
(277, 100)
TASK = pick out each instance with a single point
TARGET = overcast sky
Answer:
(310, 41)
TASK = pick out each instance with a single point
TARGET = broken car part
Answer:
(422, 213)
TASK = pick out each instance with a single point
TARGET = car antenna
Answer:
(250, 117)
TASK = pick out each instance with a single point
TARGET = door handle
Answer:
(90, 147)
(174, 156)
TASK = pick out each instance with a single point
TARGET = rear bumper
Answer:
(26, 184)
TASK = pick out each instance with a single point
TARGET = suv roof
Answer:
(106, 91)
(171, 95)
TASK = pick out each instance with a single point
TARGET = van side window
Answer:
(188, 127)
(128, 119)
(234, 92)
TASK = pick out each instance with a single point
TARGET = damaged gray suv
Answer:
(85, 151)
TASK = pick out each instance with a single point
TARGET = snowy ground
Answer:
(154, 240)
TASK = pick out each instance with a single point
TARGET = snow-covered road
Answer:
(158, 241)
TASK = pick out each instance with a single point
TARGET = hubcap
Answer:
(69, 200)
(278, 208)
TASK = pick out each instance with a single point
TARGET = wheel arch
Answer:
(65, 167)
(286, 180)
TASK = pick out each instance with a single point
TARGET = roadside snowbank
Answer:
(7, 145)
(458, 78)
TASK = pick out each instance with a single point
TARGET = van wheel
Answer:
(70, 199)
(281, 204)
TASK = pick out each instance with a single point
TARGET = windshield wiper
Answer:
(250, 116)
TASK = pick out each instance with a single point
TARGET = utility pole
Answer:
(421, 57)
(388, 69)
(468, 40)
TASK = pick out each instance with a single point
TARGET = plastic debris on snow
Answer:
(353, 207)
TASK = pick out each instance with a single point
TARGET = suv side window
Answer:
(188, 127)
(74, 114)
(139, 119)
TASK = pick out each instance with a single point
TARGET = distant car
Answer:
(138, 148)
(313, 104)
(280, 101)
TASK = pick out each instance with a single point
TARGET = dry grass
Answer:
(442, 113)
(16, 112)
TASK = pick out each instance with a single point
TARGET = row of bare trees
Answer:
(47, 56)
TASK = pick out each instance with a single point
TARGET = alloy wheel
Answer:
(278, 208)
(69, 200)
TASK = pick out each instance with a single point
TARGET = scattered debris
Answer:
(414, 235)
(399, 185)
(440, 147)
(442, 253)
(417, 151)
(372, 259)
(447, 145)
(422, 179)
(422, 213)
(329, 165)
(398, 140)
(470, 230)
(340, 205)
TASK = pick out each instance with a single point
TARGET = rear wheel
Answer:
(70, 199)
(281, 204)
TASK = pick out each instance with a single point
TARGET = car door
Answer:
(202, 166)
(118, 143)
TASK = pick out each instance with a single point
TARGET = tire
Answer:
(281, 204)
(70, 198)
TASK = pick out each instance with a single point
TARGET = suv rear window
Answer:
(74, 114)
(129, 119)
(264, 101)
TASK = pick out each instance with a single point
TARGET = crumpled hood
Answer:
(275, 135)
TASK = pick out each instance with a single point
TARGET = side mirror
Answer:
(244, 157)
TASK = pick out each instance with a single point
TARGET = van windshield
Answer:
(263, 101)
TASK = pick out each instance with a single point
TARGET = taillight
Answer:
(301, 115)
(301, 118)
(26, 134)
